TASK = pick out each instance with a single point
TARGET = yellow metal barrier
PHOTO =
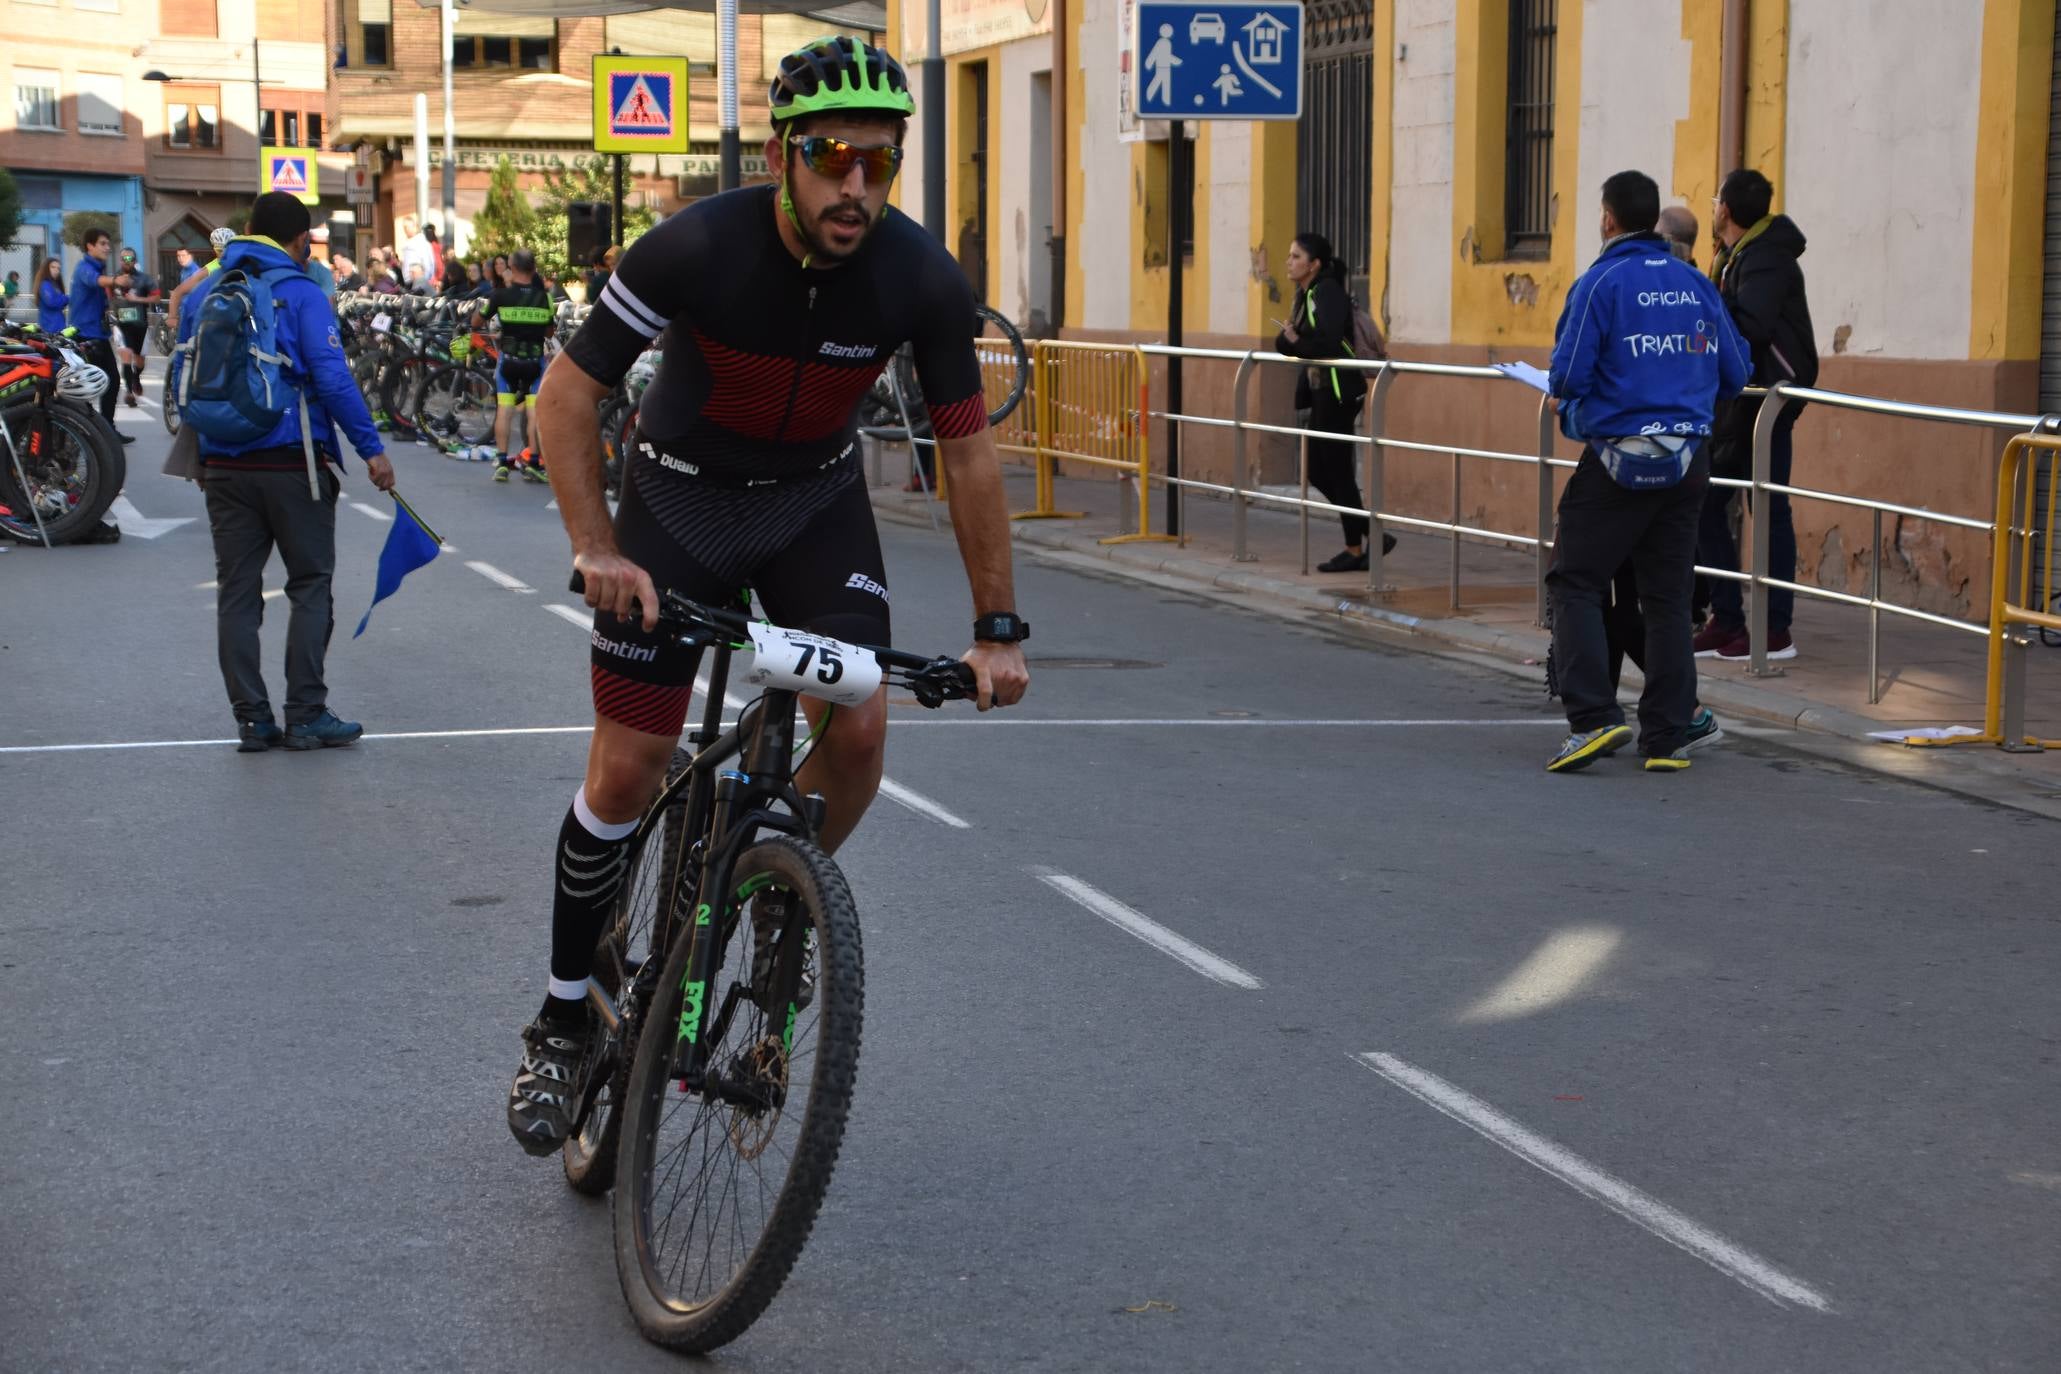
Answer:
(1092, 406)
(1018, 431)
(2012, 584)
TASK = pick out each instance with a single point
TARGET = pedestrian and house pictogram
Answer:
(293, 171)
(1229, 59)
(640, 104)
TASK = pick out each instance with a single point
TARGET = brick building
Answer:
(77, 119)
(521, 89)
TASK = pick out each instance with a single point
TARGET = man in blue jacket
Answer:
(87, 311)
(258, 495)
(1642, 355)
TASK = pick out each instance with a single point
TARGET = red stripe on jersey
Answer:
(750, 390)
(827, 398)
(961, 418)
(642, 706)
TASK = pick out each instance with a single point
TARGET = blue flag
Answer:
(409, 545)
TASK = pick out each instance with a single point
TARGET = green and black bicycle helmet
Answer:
(842, 76)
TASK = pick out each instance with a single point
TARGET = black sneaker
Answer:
(545, 1096)
(323, 732)
(1345, 560)
(256, 736)
(768, 919)
(1703, 729)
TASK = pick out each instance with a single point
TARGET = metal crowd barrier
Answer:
(2021, 526)
(1092, 401)
(2004, 612)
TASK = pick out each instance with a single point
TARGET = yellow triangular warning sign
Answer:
(640, 109)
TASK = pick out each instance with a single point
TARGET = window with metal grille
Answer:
(1528, 150)
(1334, 145)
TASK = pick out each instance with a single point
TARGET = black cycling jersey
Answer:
(765, 361)
(526, 316)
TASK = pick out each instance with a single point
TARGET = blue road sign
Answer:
(1239, 59)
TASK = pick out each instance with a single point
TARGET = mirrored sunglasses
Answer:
(835, 158)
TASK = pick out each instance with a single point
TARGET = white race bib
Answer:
(827, 669)
(382, 322)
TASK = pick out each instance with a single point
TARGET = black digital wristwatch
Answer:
(1001, 627)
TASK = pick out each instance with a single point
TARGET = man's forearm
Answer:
(980, 519)
(566, 405)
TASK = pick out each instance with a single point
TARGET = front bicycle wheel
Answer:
(719, 1187)
(627, 962)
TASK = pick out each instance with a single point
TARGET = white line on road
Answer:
(995, 718)
(375, 512)
(192, 743)
(1179, 947)
(135, 523)
(1593, 1183)
(499, 578)
(920, 804)
(571, 614)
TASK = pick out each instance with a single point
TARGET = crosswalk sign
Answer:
(640, 104)
(293, 171)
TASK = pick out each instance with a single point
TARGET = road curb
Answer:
(1843, 734)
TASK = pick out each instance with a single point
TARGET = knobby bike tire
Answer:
(365, 372)
(168, 409)
(462, 401)
(639, 933)
(882, 418)
(77, 478)
(645, 1207)
(401, 396)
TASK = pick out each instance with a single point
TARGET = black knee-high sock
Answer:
(129, 377)
(589, 873)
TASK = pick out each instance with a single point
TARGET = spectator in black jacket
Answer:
(1757, 272)
(1320, 326)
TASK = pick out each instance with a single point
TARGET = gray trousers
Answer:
(249, 512)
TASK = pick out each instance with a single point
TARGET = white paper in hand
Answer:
(1526, 373)
(827, 669)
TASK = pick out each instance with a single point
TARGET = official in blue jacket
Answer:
(1643, 353)
(258, 495)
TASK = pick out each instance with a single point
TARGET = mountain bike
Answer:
(61, 465)
(728, 992)
(997, 341)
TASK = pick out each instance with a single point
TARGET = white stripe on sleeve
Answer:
(633, 312)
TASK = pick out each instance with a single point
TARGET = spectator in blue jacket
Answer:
(258, 495)
(50, 296)
(86, 312)
(1643, 353)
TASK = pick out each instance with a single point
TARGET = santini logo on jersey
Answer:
(636, 653)
(861, 582)
(838, 350)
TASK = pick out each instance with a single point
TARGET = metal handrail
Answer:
(1757, 579)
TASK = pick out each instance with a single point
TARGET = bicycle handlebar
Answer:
(934, 681)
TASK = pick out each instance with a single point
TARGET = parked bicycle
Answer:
(64, 464)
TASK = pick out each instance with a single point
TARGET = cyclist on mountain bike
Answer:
(779, 305)
(527, 317)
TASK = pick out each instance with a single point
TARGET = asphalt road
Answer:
(1432, 1062)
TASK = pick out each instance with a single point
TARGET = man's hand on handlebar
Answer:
(1000, 676)
(617, 585)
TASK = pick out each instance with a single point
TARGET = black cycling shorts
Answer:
(807, 546)
(132, 336)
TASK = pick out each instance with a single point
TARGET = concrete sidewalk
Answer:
(1930, 675)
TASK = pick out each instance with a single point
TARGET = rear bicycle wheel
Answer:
(405, 384)
(627, 962)
(73, 466)
(1003, 344)
(719, 1188)
(459, 403)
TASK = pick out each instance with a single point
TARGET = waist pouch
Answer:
(1646, 462)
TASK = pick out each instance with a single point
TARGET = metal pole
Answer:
(1176, 232)
(730, 171)
(1453, 595)
(1757, 589)
(1302, 512)
(257, 112)
(421, 166)
(450, 145)
(934, 125)
(1547, 426)
(1875, 614)
(1377, 477)
(1239, 503)
(615, 206)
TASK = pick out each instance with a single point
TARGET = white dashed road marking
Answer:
(1211, 966)
(1593, 1183)
(920, 804)
(375, 512)
(570, 614)
(499, 578)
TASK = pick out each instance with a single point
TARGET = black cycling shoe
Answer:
(546, 1094)
(256, 736)
(768, 919)
(1345, 560)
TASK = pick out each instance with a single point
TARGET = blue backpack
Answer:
(235, 387)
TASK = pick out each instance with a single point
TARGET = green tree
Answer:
(80, 223)
(506, 222)
(10, 208)
(587, 178)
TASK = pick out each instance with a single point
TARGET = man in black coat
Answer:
(1758, 274)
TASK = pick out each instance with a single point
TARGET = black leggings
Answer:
(1334, 464)
(100, 353)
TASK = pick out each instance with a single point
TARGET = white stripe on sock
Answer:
(570, 992)
(593, 824)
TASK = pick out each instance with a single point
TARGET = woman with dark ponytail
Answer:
(1320, 327)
